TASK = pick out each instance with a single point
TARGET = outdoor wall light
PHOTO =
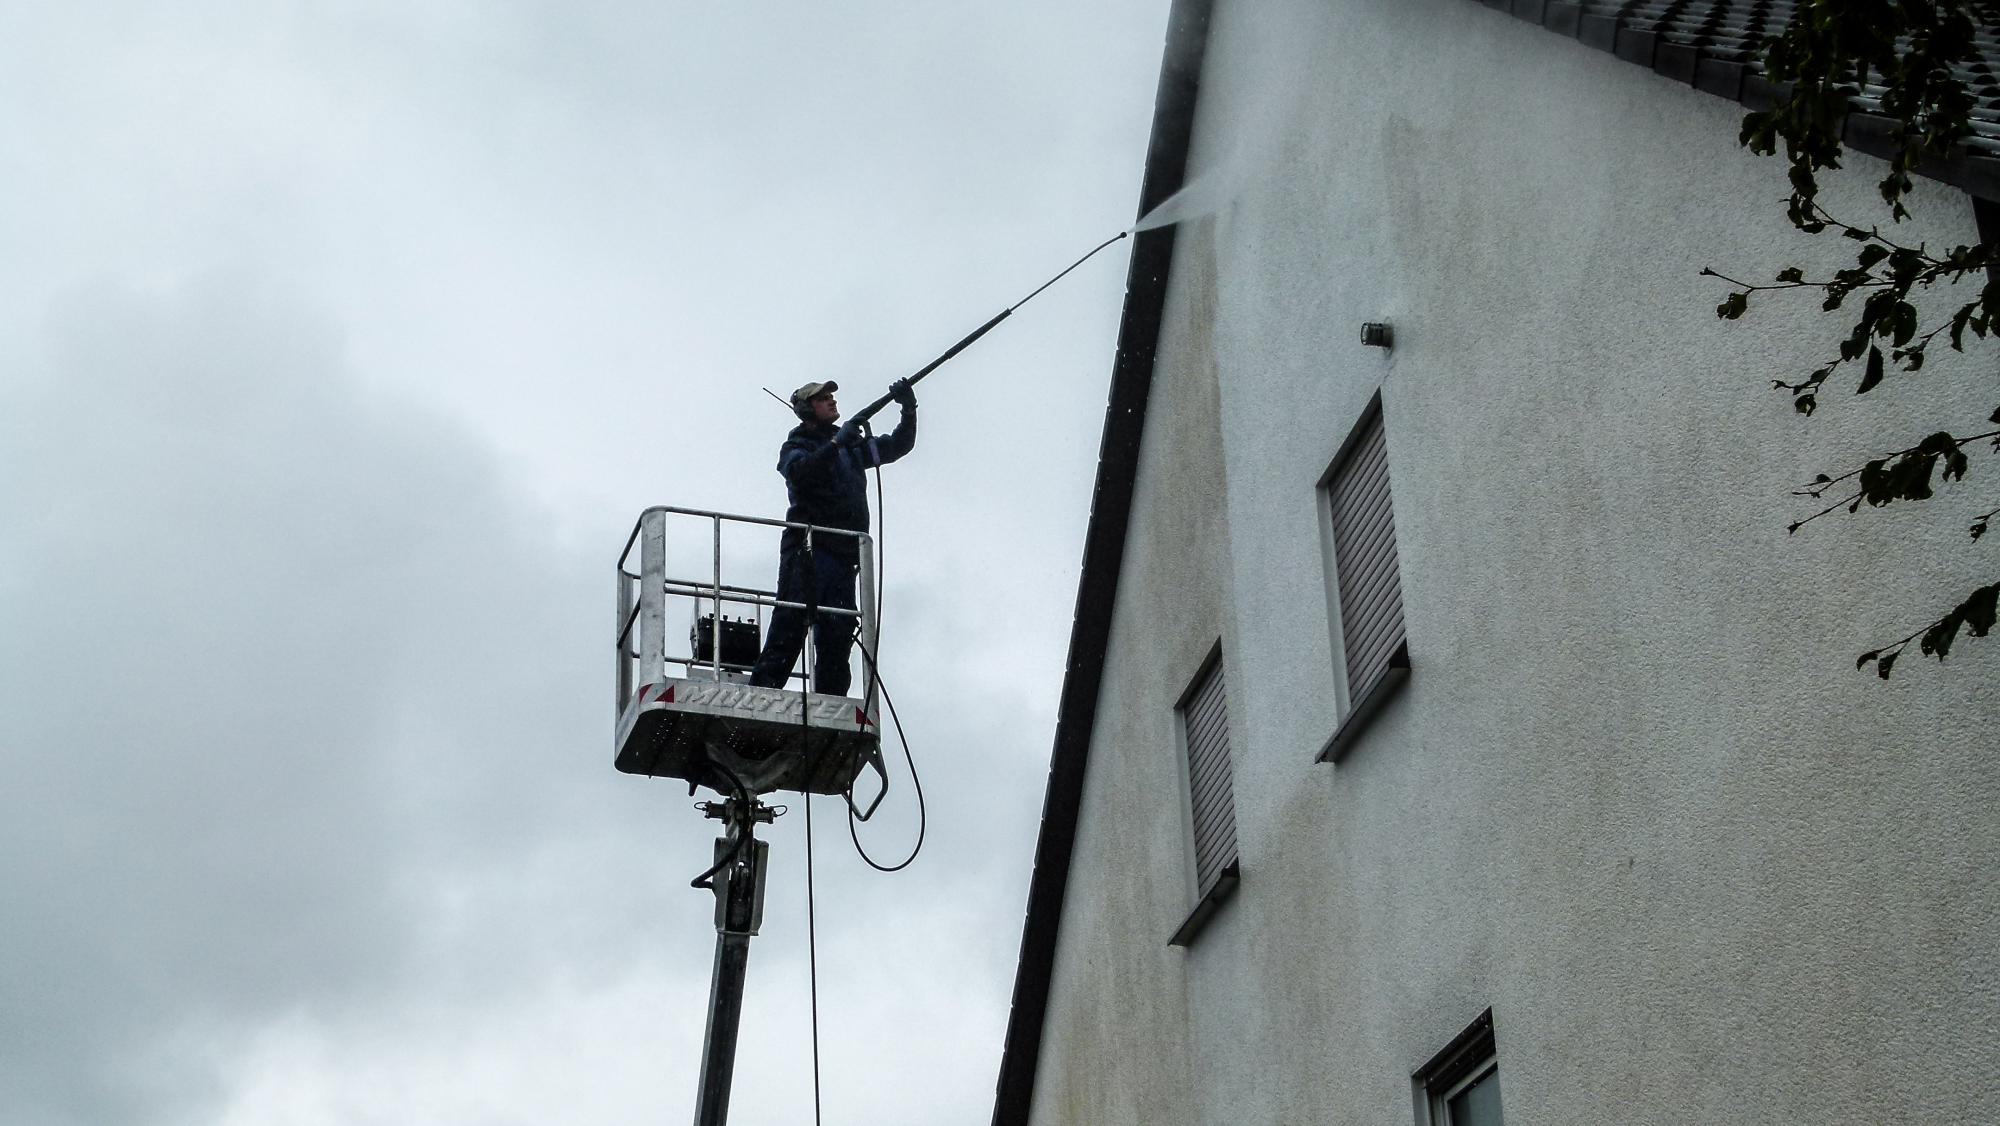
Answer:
(1378, 335)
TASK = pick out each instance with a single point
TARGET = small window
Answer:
(1204, 728)
(1364, 584)
(1460, 1086)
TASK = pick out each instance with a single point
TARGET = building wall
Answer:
(1634, 798)
(1119, 993)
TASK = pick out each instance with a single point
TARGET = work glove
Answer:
(848, 435)
(904, 394)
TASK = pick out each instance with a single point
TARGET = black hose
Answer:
(923, 813)
(741, 840)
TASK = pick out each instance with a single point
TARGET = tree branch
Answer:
(1975, 615)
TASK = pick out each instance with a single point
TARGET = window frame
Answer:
(1356, 714)
(1205, 901)
(1471, 1056)
(1441, 1099)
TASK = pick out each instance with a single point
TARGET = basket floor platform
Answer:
(678, 728)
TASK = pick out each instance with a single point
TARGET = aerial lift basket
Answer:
(696, 717)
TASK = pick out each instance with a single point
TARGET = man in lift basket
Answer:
(825, 468)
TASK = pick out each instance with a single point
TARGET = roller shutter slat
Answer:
(1361, 510)
(1361, 476)
(1368, 569)
(1206, 708)
(1201, 764)
(1359, 531)
(1378, 602)
(1357, 498)
(1361, 555)
(1371, 567)
(1368, 490)
(1212, 792)
(1363, 464)
(1369, 602)
(1369, 675)
(1209, 775)
(1365, 635)
(1209, 786)
(1383, 638)
(1199, 732)
(1214, 747)
(1366, 561)
(1205, 724)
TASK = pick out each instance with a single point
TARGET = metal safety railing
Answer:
(644, 598)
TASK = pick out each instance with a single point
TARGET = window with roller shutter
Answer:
(1204, 716)
(1366, 585)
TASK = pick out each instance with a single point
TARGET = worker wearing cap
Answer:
(825, 468)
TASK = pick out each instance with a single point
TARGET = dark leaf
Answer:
(1871, 254)
(1791, 274)
(1759, 132)
(1905, 265)
(1903, 322)
(1883, 665)
(1981, 610)
(1975, 615)
(1954, 464)
(1873, 375)
(1734, 307)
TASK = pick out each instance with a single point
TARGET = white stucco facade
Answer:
(1634, 798)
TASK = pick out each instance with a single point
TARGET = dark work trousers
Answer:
(821, 577)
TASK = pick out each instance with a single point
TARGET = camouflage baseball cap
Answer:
(803, 397)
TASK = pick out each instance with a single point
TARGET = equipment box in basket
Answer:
(739, 642)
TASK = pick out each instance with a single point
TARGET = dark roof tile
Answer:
(1713, 45)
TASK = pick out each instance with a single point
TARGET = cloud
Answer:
(309, 783)
(278, 660)
(337, 350)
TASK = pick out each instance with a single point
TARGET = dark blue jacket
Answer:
(828, 485)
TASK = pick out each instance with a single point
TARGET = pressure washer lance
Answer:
(869, 411)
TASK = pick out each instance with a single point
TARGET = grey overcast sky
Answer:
(340, 343)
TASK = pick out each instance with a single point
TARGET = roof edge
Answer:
(1103, 556)
(1974, 173)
